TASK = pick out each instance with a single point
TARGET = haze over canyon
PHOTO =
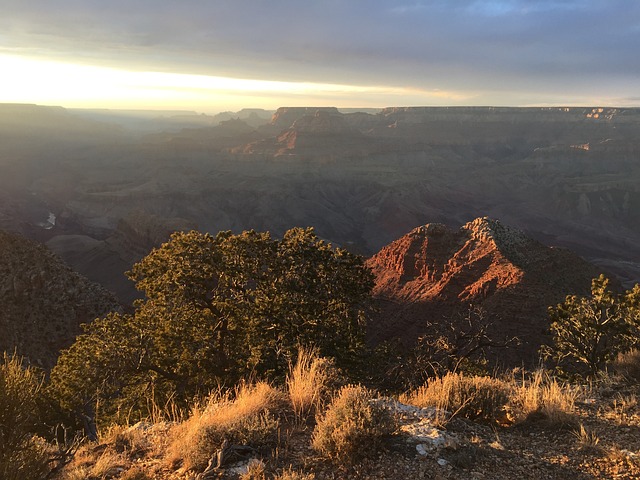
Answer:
(102, 187)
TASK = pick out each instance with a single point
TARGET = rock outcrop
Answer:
(43, 301)
(434, 273)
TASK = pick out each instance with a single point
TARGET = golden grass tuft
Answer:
(307, 383)
(291, 474)
(628, 365)
(107, 465)
(586, 439)
(476, 398)
(255, 471)
(244, 418)
(543, 397)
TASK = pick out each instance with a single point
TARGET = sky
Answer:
(217, 55)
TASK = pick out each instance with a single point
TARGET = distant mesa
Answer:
(284, 117)
(434, 273)
(321, 132)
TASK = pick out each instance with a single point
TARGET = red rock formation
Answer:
(434, 273)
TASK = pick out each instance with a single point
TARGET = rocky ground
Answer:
(601, 440)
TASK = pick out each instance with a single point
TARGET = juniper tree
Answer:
(590, 331)
(216, 309)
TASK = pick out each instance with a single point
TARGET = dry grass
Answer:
(290, 474)
(628, 365)
(543, 397)
(246, 418)
(623, 408)
(135, 473)
(255, 471)
(307, 383)
(469, 397)
(131, 441)
(107, 465)
(586, 439)
(352, 426)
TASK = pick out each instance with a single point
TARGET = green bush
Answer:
(589, 332)
(217, 309)
(352, 425)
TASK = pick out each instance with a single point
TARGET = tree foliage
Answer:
(216, 309)
(590, 331)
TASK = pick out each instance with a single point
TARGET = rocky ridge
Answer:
(433, 274)
(43, 301)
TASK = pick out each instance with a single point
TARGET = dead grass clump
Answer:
(307, 383)
(623, 408)
(587, 440)
(247, 418)
(131, 441)
(135, 473)
(543, 397)
(628, 365)
(290, 474)
(107, 465)
(475, 398)
(256, 470)
(352, 426)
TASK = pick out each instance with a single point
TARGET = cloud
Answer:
(467, 45)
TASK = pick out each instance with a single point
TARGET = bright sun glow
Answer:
(26, 80)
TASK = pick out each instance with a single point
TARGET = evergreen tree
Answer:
(216, 309)
(591, 331)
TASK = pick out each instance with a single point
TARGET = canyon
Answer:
(566, 176)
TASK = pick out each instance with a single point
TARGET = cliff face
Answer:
(43, 301)
(434, 273)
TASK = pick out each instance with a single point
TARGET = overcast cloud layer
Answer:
(482, 52)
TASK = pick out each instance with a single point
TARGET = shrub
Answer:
(469, 397)
(22, 455)
(248, 418)
(590, 331)
(30, 460)
(352, 425)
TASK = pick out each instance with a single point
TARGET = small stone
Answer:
(442, 462)
(421, 448)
